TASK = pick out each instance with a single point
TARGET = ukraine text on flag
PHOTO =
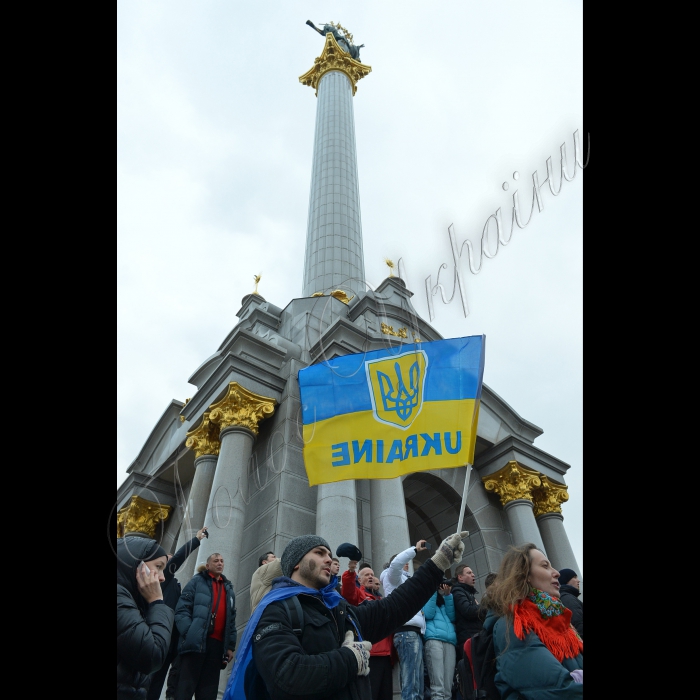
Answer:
(381, 414)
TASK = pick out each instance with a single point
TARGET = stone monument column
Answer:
(237, 414)
(388, 520)
(334, 256)
(514, 485)
(548, 499)
(204, 440)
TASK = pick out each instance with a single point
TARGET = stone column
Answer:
(389, 523)
(237, 414)
(336, 515)
(548, 499)
(334, 256)
(204, 440)
(522, 523)
(514, 485)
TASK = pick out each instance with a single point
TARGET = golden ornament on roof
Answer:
(341, 296)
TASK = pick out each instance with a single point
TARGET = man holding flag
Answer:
(304, 639)
(376, 415)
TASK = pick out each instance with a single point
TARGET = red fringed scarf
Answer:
(555, 632)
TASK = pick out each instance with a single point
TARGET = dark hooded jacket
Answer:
(468, 619)
(143, 630)
(315, 664)
(526, 669)
(193, 611)
(569, 598)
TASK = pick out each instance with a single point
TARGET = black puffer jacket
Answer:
(143, 630)
(193, 610)
(467, 618)
(569, 598)
(317, 666)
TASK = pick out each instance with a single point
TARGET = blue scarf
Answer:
(283, 588)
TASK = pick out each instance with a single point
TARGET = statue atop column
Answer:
(341, 35)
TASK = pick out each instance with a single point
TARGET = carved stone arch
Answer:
(433, 500)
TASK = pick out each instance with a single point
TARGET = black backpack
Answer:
(477, 674)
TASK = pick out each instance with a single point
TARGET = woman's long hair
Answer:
(510, 585)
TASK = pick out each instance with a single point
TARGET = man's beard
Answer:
(311, 572)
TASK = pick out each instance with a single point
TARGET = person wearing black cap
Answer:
(144, 622)
(305, 640)
(568, 594)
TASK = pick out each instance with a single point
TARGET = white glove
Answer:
(450, 550)
(361, 651)
(577, 675)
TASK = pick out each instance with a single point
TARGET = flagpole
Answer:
(464, 498)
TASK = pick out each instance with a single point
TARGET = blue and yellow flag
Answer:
(381, 414)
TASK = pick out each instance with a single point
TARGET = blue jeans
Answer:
(409, 646)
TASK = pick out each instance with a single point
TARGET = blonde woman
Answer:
(539, 655)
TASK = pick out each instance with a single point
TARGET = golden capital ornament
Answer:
(334, 58)
(140, 515)
(241, 407)
(549, 496)
(512, 482)
(204, 439)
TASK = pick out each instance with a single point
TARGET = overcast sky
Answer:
(215, 142)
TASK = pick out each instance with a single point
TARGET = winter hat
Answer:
(297, 548)
(565, 575)
(348, 550)
(131, 551)
(134, 550)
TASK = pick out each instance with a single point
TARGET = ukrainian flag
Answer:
(381, 414)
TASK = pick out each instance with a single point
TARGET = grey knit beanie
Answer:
(296, 549)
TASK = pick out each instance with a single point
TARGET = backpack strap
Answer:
(296, 614)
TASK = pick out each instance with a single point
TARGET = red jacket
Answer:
(355, 595)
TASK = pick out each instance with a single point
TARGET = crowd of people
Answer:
(314, 632)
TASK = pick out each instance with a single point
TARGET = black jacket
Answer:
(569, 598)
(468, 621)
(143, 631)
(171, 586)
(193, 610)
(317, 666)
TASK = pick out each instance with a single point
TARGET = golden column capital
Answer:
(549, 496)
(241, 407)
(334, 58)
(204, 439)
(512, 482)
(140, 515)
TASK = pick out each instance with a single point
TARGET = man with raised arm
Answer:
(408, 638)
(305, 640)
